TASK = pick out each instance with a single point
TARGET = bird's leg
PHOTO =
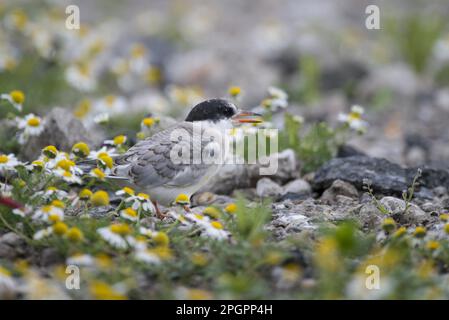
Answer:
(159, 214)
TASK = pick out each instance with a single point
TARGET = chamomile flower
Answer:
(215, 230)
(23, 211)
(51, 193)
(74, 234)
(114, 235)
(81, 149)
(110, 105)
(278, 98)
(101, 118)
(85, 260)
(50, 152)
(30, 125)
(148, 122)
(102, 153)
(129, 214)
(182, 199)
(52, 213)
(141, 200)
(100, 198)
(43, 233)
(16, 98)
(234, 91)
(146, 232)
(97, 173)
(67, 176)
(126, 191)
(85, 195)
(147, 256)
(8, 162)
(82, 77)
(354, 119)
(231, 208)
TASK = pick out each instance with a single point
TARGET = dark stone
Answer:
(385, 177)
(345, 151)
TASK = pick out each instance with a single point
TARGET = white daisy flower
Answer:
(96, 155)
(49, 213)
(30, 125)
(23, 211)
(101, 118)
(81, 77)
(81, 260)
(114, 235)
(41, 234)
(146, 232)
(8, 162)
(111, 105)
(129, 214)
(147, 256)
(16, 98)
(141, 200)
(51, 192)
(215, 230)
(67, 176)
(354, 119)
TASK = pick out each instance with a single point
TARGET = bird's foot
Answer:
(159, 214)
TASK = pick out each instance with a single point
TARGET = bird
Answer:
(148, 165)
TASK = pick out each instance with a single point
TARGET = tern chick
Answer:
(149, 165)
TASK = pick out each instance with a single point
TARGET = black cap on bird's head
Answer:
(219, 109)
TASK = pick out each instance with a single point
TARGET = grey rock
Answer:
(298, 186)
(50, 256)
(62, 130)
(268, 188)
(396, 207)
(369, 216)
(440, 191)
(339, 188)
(234, 176)
(12, 246)
(385, 177)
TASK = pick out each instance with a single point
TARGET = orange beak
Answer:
(247, 117)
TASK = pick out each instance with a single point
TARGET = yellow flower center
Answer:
(34, 122)
(432, 245)
(120, 228)
(103, 291)
(54, 218)
(58, 203)
(216, 225)
(85, 194)
(234, 91)
(128, 191)
(100, 198)
(83, 108)
(144, 196)
(148, 122)
(182, 199)
(231, 208)
(119, 140)
(60, 228)
(4, 158)
(17, 96)
(50, 151)
(212, 212)
(110, 100)
(131, 212)
(106, 160)
(81, 149)
(65, 164)
(99, 173)
(419, 232)
(161, 238)
(38, 163)
(74, 234)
